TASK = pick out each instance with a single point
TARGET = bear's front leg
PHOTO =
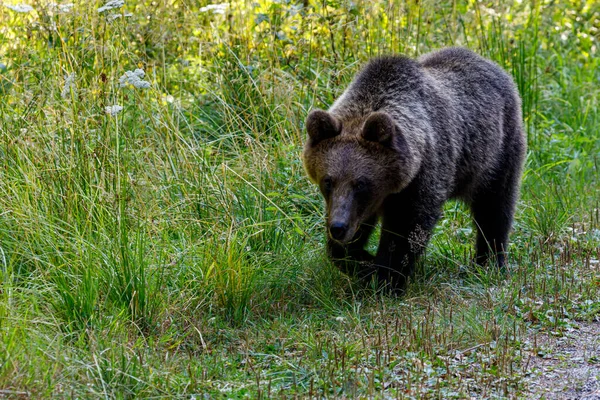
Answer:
(352, 258)
(403, 240)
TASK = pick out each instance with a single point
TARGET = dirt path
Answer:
(566, 367)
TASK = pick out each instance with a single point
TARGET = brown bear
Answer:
(406, 136)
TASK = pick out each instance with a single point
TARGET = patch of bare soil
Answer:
(565, 367)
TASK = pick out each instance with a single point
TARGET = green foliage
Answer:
(174, 247)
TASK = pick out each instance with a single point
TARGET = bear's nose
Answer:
(337, 230)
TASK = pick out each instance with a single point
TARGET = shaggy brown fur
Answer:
(406, 136)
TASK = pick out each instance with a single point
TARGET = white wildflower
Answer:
(490, 11)
(65, 8)
(69, 84)
(113, 110)
(22, 8)
(134, 78)
(215, 8)
(113, 16)
(111, 4)
(61, 8)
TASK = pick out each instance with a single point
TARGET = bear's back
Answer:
(458, 67)
(484, 115)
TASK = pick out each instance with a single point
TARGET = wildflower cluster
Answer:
(22, 8)
(113, 110)
(61, 8)
(69, 84)
(215, 8)
(113, 16)
(111, 4)
(134, 78)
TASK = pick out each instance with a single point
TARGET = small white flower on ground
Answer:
(69, 84)
(112, 4)
(113, 110)
(340, 319)
(215, 8)
(22, 8)
(134, 78)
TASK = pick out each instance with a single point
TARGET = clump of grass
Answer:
(131, 282)
(76, 302)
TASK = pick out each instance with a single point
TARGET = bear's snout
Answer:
(338, 230)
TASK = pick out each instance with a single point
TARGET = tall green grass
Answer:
(176, 248)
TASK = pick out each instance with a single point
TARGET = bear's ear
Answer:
(380, 128)
(321, 125)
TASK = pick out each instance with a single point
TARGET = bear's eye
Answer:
(361, 185)
(327, 184)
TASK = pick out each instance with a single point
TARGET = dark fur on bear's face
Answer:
(355, 165)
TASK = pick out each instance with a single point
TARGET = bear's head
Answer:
(356, 163)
